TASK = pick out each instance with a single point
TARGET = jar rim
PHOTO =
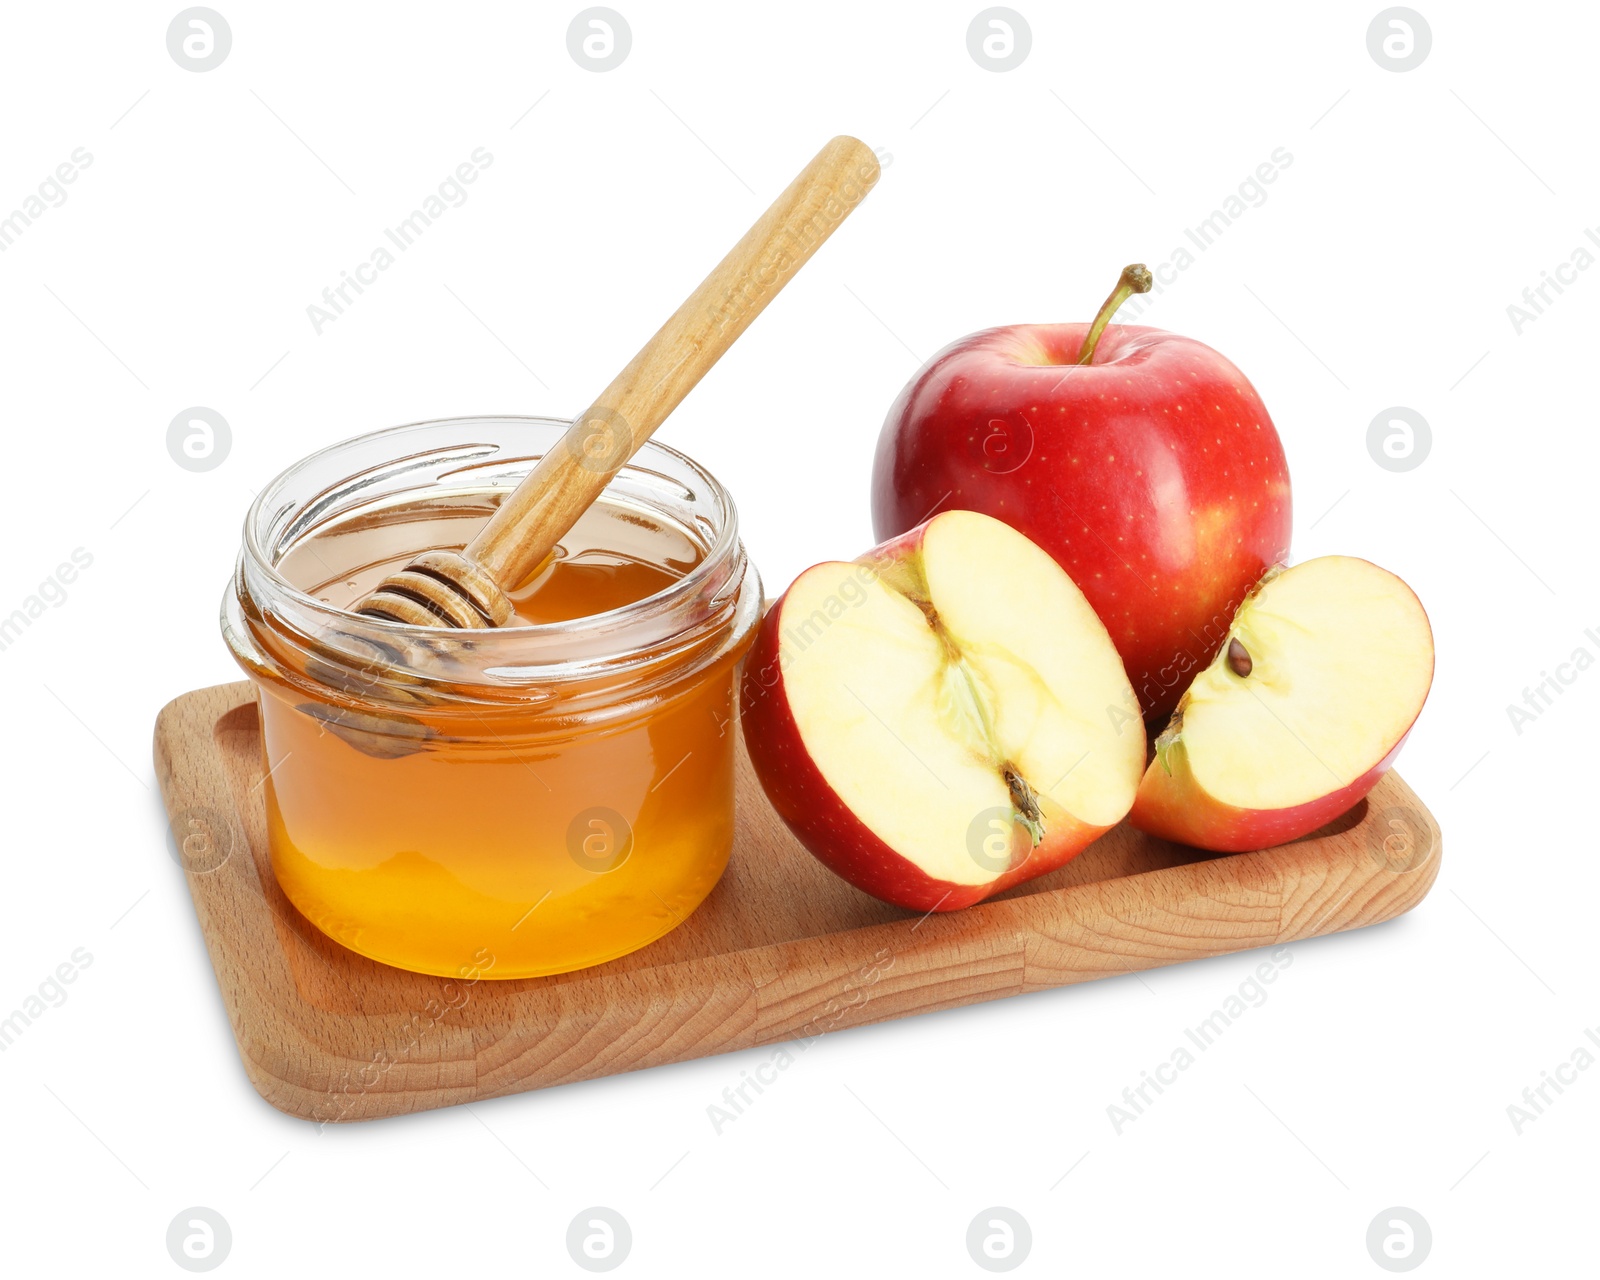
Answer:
(346, 476)
(257, 518)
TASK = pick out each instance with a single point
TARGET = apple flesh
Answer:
(1152, 473)
(1305, 707)
(942, 718)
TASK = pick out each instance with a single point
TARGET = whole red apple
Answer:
(1143, 461)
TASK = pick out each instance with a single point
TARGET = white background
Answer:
(1378, 272)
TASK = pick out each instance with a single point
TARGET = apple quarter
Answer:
(1323, 673)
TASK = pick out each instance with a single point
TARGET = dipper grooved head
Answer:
(440, 589)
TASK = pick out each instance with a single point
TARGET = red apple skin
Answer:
(1153, 475)
(827, 828)
(1176, 809)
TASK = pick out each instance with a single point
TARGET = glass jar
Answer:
(550, 796)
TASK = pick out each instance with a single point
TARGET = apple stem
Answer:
(1134, 279)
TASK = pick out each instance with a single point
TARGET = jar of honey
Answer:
(519, 801)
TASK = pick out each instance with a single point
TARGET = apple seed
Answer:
(1026, 804)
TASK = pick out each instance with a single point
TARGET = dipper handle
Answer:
(468, 589)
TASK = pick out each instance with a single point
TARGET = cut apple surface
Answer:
(944, 717)
(1322, 675)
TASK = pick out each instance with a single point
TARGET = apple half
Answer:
(1307, 703)
(942, 718)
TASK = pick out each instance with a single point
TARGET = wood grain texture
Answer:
(781, 950)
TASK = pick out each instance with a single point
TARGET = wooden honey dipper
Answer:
(468, 588)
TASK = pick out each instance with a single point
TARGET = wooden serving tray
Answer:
(781, 950)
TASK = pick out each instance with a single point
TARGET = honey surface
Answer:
(612, 557)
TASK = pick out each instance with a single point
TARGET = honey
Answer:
(612, 557)
(552, 794)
